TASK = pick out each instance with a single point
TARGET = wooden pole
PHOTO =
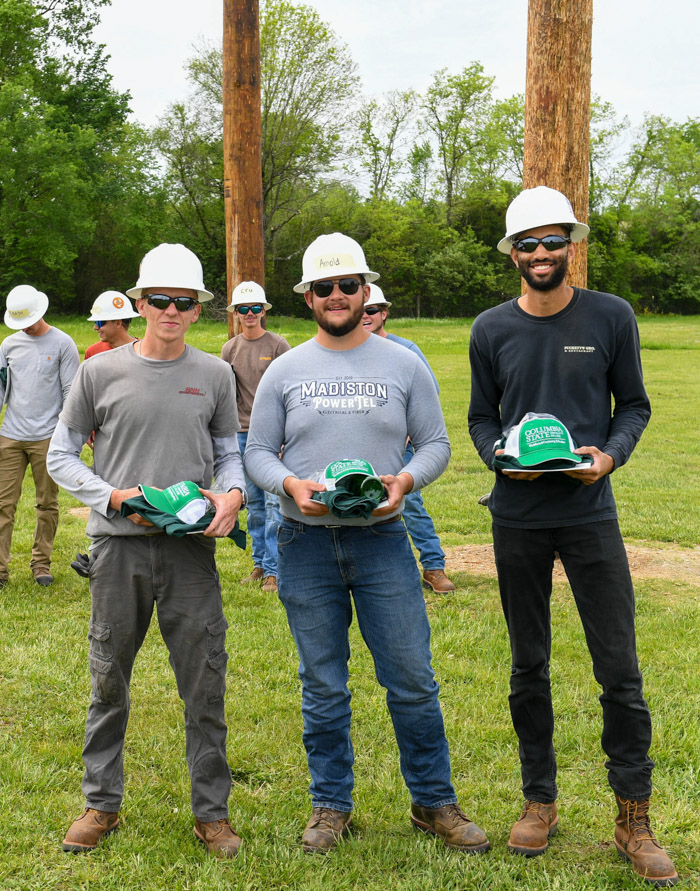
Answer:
(243, 202)
(558, 106)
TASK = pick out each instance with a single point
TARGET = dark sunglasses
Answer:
(372, 310)
(324, 288)
(549, 243)
(244, 310)
(98, 325)
(181, 304)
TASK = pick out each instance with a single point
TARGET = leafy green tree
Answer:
(384, 127)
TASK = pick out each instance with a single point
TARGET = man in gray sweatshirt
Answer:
(37, 366)
(346, 394)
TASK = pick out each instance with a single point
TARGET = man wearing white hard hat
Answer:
(37, 366)
(250, 354)
(348, 395)
(179, 423)
(112, 314)
(417, 519)
(565, 352)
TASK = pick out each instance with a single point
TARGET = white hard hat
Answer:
(25, 306)
(332, 256)
(248, 292)
(111, 305)
(537, 207)
(376, 297)
(171, 266)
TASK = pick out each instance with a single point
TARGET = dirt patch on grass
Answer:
(81, 512)
(679, 564)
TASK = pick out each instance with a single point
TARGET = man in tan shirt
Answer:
(250, 354)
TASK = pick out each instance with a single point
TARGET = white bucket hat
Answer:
(111, 305)
(537, 207)
(171, 266)
(332, 256)
(248, 292)
(25, 306)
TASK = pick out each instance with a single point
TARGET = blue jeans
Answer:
(594, 557)
(421, 527)
(263, 519)
(323, 570)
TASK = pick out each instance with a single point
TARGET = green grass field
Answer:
(44, 689)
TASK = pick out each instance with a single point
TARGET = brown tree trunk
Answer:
(558, 106)
(243, 203)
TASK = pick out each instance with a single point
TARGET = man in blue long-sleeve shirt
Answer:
(566, 352)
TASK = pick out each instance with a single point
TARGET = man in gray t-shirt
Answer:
(37, 367)
(346, 394)
(162, 412)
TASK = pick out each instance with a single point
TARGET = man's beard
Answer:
(555, 277)
(345, 328)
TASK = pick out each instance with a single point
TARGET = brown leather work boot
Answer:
(451, 824)
(536, 824)
(255, 576)
(325, 829)
(88, 830)
(270, 584)
(438, 581)
(637, 843)
(220, 839)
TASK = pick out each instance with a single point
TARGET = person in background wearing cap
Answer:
(37, 367)
(112, 315)
(345, 394)
(566, 352)
(179, 423)
(417, 519)
(250, 355)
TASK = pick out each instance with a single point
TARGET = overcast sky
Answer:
(645, 54)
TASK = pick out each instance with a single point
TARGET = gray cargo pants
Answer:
(128, 575)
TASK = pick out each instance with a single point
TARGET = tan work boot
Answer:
(438, 581)
(220, 839)
(537, 823)
(452, 826)
(255, 576)
(88, 830)
(637, 843)
(325, 829)
(270, 584)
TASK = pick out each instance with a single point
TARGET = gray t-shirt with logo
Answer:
(323, 405)
(155, 423)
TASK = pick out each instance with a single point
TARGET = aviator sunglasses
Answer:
(324, 288)
(182, 304)
(244, 310)
(549, 243)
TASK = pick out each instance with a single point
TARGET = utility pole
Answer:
(243, 202)
(558, 106)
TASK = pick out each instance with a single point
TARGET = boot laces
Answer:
(638, 818)
(455, 812)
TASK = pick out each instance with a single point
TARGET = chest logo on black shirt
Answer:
(579, 349)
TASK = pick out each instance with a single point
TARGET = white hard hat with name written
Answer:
(248, 292)
(111, 305)
(330, 256)
(25, 307)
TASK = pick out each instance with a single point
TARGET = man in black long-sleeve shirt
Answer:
(565, 352)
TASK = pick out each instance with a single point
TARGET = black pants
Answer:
(595, 561)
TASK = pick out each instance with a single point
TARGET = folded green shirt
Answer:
(172, 524)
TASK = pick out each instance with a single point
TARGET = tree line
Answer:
(421, 179)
